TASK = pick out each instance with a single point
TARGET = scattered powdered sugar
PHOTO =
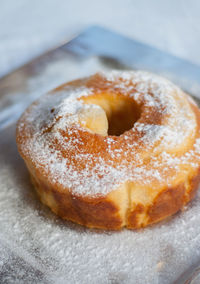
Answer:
(37, 247)
(56, 117)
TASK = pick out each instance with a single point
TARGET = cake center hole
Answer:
(121, 111)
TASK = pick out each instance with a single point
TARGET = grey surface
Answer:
(27, 28)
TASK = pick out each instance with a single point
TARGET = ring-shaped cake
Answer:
(113, 150)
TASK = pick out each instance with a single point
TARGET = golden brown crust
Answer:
(93, 213)
(104, 213)
(130, 204)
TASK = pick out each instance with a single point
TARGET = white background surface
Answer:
(28, 28)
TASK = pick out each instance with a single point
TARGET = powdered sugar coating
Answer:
(56, 118)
